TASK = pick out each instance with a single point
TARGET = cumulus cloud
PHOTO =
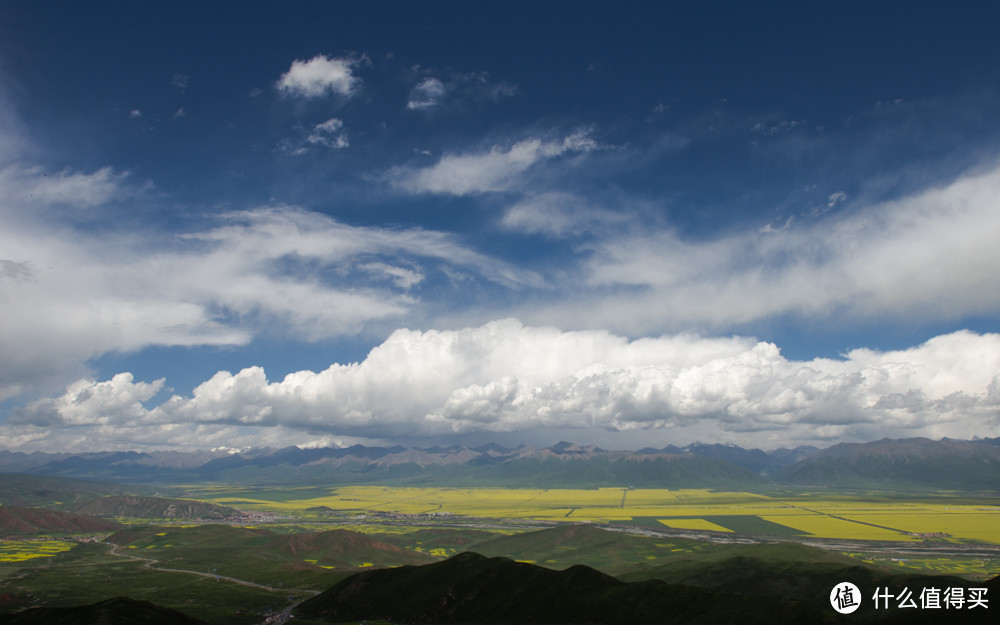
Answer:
(494, 170)
(320, 76)
(505, 377)
(86, 402)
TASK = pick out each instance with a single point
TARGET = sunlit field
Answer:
(21, 550)
(693, 524)
(827, 515)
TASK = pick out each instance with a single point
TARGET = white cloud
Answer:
(426, 95)
(558, 214)
(73, 294)
(504, 377)
(495, 170)
(432, 93)
(836, 198)
(86, 402)
(929, 256)
(772, 128)
(320, 76)
(401, 277)
(37, 186)
(329, 134)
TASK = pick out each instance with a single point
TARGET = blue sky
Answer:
(252, 224)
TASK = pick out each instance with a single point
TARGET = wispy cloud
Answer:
(179, 81)
(427, 94)
(320, 76)
(329, 134)
(558, 214)
(929, 256)
(35, 185)
(74, 294)
(432, 93)
(494, 170)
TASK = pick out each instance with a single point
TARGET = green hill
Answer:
(564, 546)
(18, 520)
(117, 611)
(40, 491)
(302, 560)
(136, 507)
(470, 588)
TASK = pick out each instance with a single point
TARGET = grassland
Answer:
(89, 573)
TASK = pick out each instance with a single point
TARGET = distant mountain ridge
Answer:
(946, 463)
(942, 464)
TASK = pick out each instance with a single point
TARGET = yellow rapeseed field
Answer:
(825, 526)
(693, 524)
(971, 524)
(20, 550)
(821, 515)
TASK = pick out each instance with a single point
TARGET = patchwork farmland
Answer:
(810, 515)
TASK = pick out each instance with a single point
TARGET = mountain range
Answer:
(946, 464)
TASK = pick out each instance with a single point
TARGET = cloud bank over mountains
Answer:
(506, 377)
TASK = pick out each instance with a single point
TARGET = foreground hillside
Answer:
(473, 589)
(117, 611)
(470, 588)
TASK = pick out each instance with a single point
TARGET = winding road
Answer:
(279, 619)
